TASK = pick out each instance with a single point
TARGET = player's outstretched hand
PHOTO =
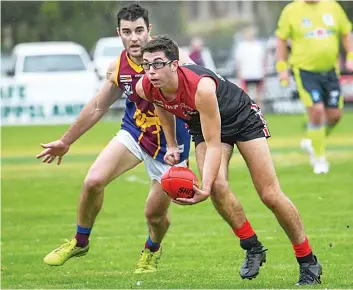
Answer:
(172, 156)
(199, 196)
(52, 150)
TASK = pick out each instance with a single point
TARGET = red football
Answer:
(178, 182)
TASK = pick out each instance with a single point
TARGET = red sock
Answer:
(245, 231)
(303, 249)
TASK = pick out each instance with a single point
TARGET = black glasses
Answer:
(156, 64)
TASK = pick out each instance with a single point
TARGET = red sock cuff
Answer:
(303, 249)
(245, 231)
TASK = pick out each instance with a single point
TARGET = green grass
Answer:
(200, 251)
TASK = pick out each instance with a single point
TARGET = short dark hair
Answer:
(165, 44)
(132, 12)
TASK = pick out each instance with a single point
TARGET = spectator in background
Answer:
(196, 51)
(250, 62)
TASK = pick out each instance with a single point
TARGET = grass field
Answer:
(200, 251)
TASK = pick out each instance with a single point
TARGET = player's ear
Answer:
(174, 65)
(149, 28)
(117, 31)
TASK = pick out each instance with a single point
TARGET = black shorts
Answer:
(317, 87)
(254, 127)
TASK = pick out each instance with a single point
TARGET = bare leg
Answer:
(222, 198)
(333, 116)
(316, 114)
(258, 159)
(257, 156)
(156, 212)
(113, 161)
(232, 212)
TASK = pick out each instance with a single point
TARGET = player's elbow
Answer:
(215, 145)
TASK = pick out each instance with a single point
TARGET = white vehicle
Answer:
(35, 58)
(63, 64)
(105, 51)
(49, 82)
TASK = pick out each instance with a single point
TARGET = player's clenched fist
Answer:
(172, 156)
(52, 150)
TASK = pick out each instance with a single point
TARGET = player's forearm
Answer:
(211, 167)
(168, 125)
(92, 112)
(88, 117)
(281, 50)
(347, 41)
(170, 133)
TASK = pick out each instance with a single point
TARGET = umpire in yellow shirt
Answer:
(316, 29)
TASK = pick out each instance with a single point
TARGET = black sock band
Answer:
(249, 243)
(307, 259)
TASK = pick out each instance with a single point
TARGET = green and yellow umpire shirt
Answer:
(315, 30)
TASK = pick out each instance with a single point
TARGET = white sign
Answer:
(43, 101)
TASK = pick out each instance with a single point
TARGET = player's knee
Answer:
(316, 114)
(94, 183)
(156, 218)
(270, 195)
(220, 189)
(333, 119)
